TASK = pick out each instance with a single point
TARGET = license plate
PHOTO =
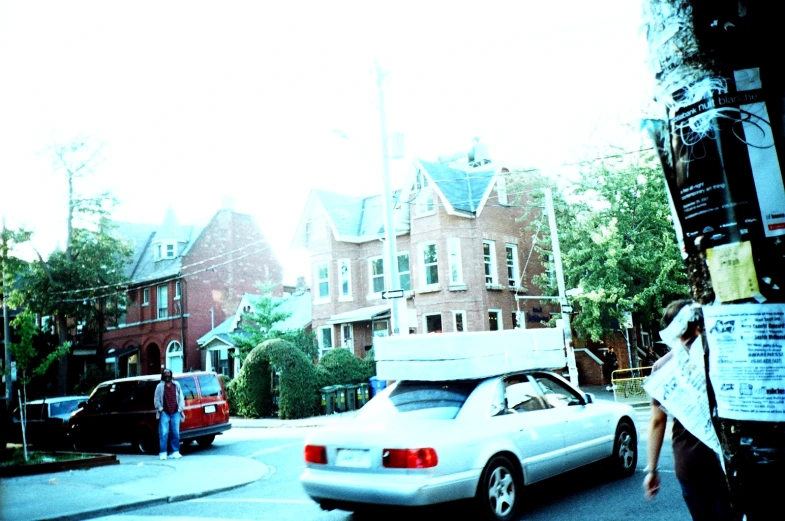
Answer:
(209, 408)
(353, 458)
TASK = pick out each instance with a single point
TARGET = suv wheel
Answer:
(146, 444)
(205, 441)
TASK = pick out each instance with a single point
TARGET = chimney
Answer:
(301, 287)
(478, 155)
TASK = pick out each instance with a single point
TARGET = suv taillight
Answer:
(316, 454)
(409, 458)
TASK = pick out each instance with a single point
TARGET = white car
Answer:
(419, 443)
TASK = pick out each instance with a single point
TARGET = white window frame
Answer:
(170, 250)
(424, 282)
(320, 340)
(145, 296)
(318, 297)
(425, 321)
(350, 343)
(426, 202)
(178, 289)
(402, 273)
(162, 309)
(344, 276)
(454, 259)
(489, 262)
(501, 190)
(174, 350)
(376, 261)
(499, 319)
(513, 282)
(455, 315)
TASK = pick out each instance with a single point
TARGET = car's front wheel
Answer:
(624, 458)
(146, 443)
(500, 490)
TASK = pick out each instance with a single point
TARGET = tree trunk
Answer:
(62, 369)
(717, 66)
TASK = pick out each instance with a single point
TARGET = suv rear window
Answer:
(210, 385)
(188, 385)
(436, 400)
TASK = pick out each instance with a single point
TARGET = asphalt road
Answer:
(583, 495)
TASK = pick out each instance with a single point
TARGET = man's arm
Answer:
(158, 398)
(657, 425)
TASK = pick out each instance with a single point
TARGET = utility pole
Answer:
(722, 147)
(9, 384)
(572, 367)
(391, 270)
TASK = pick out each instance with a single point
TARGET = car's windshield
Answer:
(433, 400)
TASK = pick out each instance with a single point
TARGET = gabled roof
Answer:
(299, 307)
(461, 190)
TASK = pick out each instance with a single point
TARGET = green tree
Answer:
(72, 284)
(258, 326)
(617, 244)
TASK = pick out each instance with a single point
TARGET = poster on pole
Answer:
(680, 387)
(746, 363)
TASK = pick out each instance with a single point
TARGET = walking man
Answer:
(698, 469)
(169, 406)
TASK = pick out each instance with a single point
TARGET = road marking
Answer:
(254, 500)
(275, 449)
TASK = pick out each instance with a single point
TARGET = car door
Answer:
(537, 432)
(585, 427)
(193, 409)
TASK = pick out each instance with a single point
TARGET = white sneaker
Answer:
(162, 455)
(176, 455)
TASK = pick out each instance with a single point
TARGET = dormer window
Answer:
(165, 250)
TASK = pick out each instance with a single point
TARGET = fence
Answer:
(628, 385)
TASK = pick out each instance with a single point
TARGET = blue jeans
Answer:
(169, 432)
(708, 501)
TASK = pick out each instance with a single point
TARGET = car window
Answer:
(118, 397)
(33, 411)
(522, 396)
(435, 400)
(144, 392)
(188, 385)
(209, 385)
(555, 393)
(98, 394)
(63, 408)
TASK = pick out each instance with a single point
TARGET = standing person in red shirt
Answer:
(169, 406)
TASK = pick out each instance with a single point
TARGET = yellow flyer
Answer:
(732, 271)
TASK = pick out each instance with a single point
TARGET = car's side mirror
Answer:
(589, 398)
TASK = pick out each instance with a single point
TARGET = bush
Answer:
(93, 376)
(341, 367)
(297, 390)
(251, 392)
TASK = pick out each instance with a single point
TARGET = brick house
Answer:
(184, 280)
(462, 257)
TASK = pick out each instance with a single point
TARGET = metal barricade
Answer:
(628, 386)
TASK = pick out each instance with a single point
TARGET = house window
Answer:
(489, 259)
(404, 272)
(501, 190)
(432, 323)
(512, 264)
(171, 251)
(325, 339)
(459, 321)
(425, 200)
(163, 302)
(174, 356)
(381, 328)
(495, 320)
(376, 273)
(515, 318)
(322, 282)
(430, 264)
(454, 256)
(178, 289)
(347, 336)
(344, 265)
(165, 250)
(158, 252)
(146, 297)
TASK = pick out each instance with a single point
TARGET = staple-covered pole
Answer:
(721, 137)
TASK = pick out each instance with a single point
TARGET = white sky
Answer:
(196, 101)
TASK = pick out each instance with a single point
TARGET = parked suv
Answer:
(122, 411)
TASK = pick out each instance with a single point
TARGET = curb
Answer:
(98, 460)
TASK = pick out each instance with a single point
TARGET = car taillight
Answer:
(409, 458)
(316, 454)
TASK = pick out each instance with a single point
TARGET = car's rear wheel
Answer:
(624, 458)
(205, 441)
(146, 443)
(500, 490)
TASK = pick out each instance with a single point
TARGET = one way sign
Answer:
(395, 293)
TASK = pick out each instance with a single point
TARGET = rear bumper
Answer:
(205, 431)
(402, 490)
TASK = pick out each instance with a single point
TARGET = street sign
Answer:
(394, 293)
